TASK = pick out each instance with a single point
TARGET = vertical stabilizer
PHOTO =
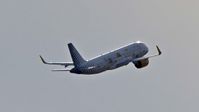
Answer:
(76, 57)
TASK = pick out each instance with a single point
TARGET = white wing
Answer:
(57, 63)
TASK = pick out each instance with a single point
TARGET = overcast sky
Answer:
(29, 28)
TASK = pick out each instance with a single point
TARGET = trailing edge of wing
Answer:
(56, 63)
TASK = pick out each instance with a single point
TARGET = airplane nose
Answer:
(138, 42)
(146, 49)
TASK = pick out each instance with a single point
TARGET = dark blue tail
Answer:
(76, 57)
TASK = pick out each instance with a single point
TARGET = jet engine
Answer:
(141, 63)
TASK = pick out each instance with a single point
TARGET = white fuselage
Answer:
(112, 60)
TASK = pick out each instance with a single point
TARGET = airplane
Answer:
(134, 52)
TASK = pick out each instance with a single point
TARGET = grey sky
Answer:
(32, 27)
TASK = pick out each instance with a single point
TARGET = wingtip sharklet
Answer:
(42, 59)
(159, 51)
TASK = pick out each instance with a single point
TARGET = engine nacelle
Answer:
(141, 63)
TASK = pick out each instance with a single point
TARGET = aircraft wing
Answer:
(143, 58)
(57, 63)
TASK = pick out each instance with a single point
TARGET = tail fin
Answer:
(76, 57)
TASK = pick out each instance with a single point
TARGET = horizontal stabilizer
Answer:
(60, 70)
